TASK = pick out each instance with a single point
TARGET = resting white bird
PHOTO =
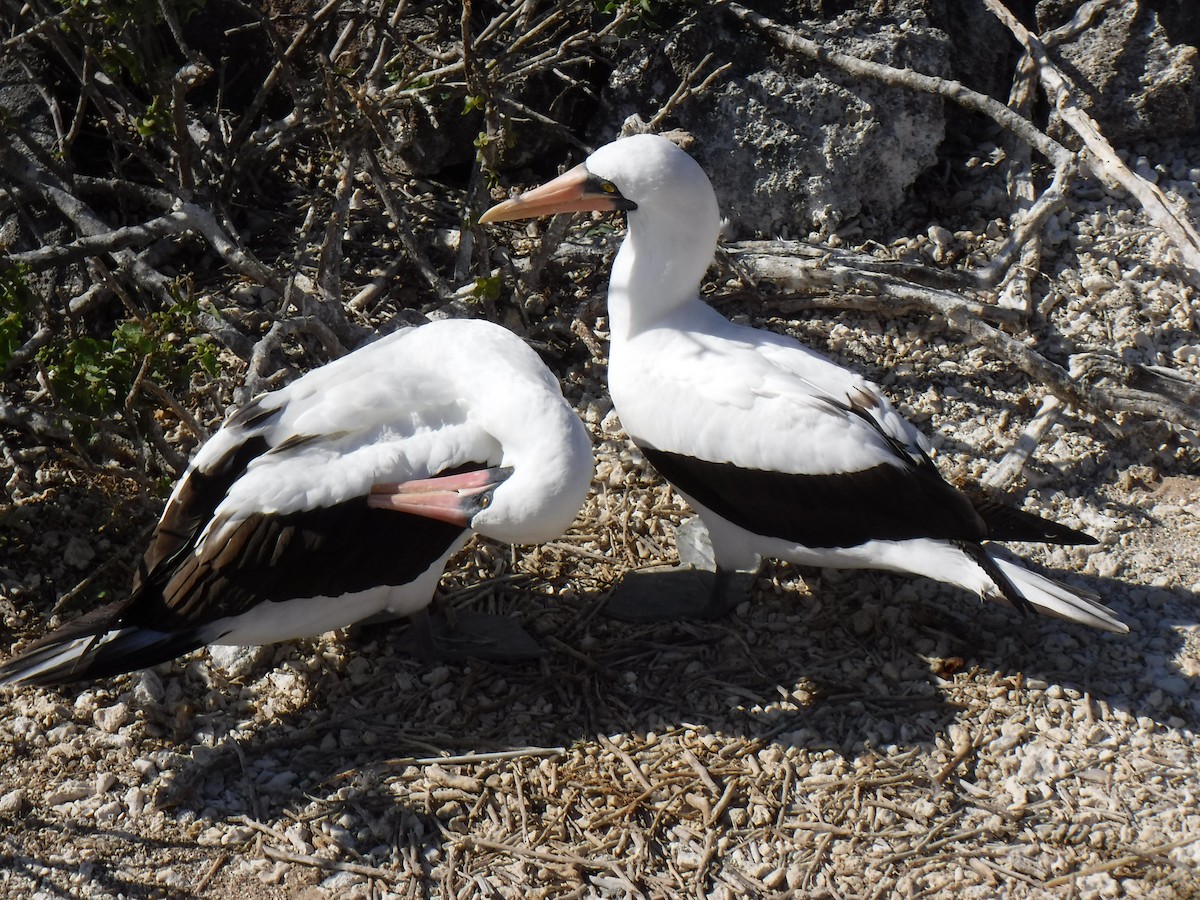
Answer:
(781, 452)
(339, 498)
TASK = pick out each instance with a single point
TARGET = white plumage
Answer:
(782, 453)
(340, 497)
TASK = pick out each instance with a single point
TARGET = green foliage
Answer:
(17, 300)
(156, 118)
(486, 288)
(642, 12)
(117, 29)
(94, 376)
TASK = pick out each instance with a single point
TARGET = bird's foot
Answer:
(460, 636)
(472, 635)
(674, 593)
(695, 589)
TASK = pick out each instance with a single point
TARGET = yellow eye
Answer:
(608, 187)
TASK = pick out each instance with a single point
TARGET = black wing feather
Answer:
(885, 502)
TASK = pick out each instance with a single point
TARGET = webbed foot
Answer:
(460, 635)
(673, 593)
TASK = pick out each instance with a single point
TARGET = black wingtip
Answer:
(1007, 523)
(69, 657)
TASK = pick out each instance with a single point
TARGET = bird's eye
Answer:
(608, 187)
(485, 501)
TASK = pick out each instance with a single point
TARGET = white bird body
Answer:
(741, 394)
(340, 497)
(781, 452)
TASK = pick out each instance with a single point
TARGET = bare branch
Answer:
(404, 229)
(1103, 160)
(1003, 475)
(49, 255)
(185, 79)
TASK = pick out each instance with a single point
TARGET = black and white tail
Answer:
(1057, 599)
(86, 650)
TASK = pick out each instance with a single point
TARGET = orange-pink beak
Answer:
(574, 191)
(448, 498)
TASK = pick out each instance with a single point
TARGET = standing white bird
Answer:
(781, 452)
(340, 497)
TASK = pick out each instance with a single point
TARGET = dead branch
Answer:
(1022, 192)
(1003, 475)
(281, 65)
(258, 377)
(688, 88)
(329, 271)
(1029, 223)
(88, 222)
(404, 231)
(794, 266)
(48, 256)
(188, 77)
(1103, 159)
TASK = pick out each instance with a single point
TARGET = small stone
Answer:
(1172, 684)
(108, 812)
(135, 801)
(280, 782)
(13, 803)
(436, 676)
(109, 719)
(940, 236)
(234, 660)
(149, 689)
(78, 553)
(776, 879)
(68, 792)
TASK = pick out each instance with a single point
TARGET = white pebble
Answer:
(108, 812)
(68, 792)
(12, 804)
(109, 719)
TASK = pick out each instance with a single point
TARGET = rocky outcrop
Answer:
(1139, 76)
(794, 147)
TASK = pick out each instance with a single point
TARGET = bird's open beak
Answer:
(573, 191)
(448, 498)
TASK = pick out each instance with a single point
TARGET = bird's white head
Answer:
(499, 414)
(550, 457)
(674, 221)
(672, 233)
(661, 182)
(538, 436)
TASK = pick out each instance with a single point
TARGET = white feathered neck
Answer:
(672, 234)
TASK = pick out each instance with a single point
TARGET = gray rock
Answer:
(791, 146)
(1140, 80)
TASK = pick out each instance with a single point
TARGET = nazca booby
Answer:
(781, 452)
(339, 498)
